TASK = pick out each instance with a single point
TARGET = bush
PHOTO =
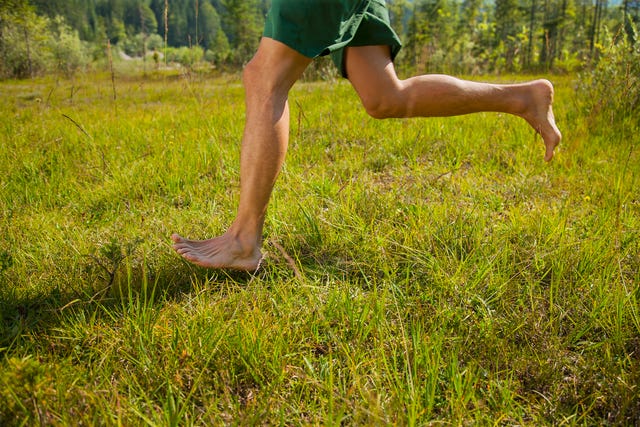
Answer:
(23, 46)
(611, 90)
(219, 51)
(31, 45)
(155, 42)
(69, 53)
(187, 56)
(135, 45)
(569, 63)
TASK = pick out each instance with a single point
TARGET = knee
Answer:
(261, 81)
(258, 87)
(251, 75)
(384, 106)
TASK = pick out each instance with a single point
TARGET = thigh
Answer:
(373, 30)
(277, 64)
(371, 72)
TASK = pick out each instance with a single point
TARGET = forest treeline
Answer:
(456, 36)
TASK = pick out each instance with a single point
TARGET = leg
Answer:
(373, 76)
(267, 79)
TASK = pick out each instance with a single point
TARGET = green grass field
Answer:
(419, 272)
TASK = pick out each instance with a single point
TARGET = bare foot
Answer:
(539, 115)
(220, 252)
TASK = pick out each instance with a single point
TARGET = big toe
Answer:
(548, 155)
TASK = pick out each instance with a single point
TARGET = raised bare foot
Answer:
(539, 114)
(220, 252)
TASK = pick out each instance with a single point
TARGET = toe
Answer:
(184, 251)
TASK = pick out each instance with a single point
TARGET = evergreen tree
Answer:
(439, 35)
(398, 10)
(210, 24)
(469, 37)
(631, 19)
(78, 14)
(508, 16)
(213, 37)
(139, 18)
(243, 23)
(111, 19)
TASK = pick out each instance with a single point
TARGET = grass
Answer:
(419, 272)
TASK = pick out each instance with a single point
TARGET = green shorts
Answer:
(325, 27)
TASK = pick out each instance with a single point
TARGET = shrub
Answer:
(187, 56)
(135, 45)
(31, 45)
(155, 42)
(568, 63)
(68, 52)
(611, 90)
(23, 43)
(219, 51)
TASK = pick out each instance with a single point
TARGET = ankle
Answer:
(246, 241)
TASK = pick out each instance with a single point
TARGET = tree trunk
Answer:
(26, 40)
(532, 21)
(595, 26)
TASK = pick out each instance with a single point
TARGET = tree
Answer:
(139, 18)
(397, 13)
(210, 25)
(507, 17)
(111, 19)
(32, 44)
(469, 36)
(631, 18)
(22, 40)
(429, 35)
(78, 14)
(594, 33)
(213, 37)
(552, 23)
(243, 26)
(67, 51)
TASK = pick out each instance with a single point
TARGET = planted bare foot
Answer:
(539, 114)
(225, 251)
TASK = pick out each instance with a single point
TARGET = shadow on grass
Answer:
(118, 276)
(27, 314)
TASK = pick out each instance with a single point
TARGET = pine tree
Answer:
(507, 17)
(243, 24)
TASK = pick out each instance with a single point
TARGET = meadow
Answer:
(418, 272)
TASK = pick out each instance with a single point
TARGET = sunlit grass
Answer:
(418, 271)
